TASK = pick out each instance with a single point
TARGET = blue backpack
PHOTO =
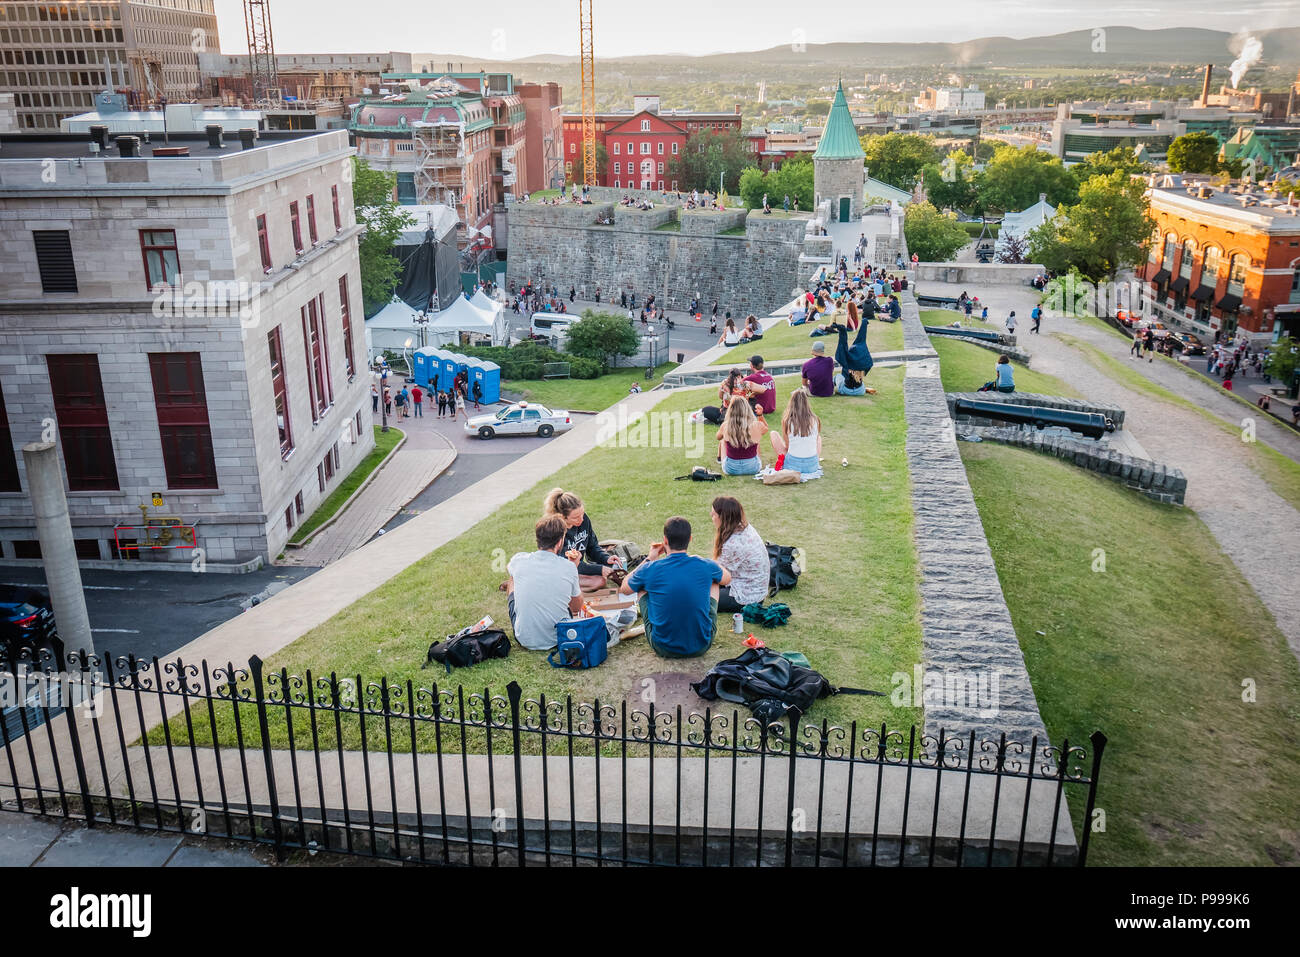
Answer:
(580, 643)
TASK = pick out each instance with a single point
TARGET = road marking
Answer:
(117, 631)
(86, 587)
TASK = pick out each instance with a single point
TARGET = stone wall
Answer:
(751, 273)
(977, 274)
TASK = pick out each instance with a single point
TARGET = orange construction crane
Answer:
(586, 44)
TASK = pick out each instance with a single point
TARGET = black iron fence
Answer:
(459, 776)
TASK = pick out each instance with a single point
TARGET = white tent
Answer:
(463, 316)
(391, 327)
(486, 303)
(1022, 223)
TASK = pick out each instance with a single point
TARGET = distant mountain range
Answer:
(1123, 46)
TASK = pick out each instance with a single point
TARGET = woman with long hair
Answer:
(801, 433)
(731, 387)
(580, 542)
(739, 438)
(730, 336)
(739, 549)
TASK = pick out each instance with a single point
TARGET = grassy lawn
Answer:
(964, 367)
(784, 341)
(1154, 651)
(384, 443)
(857, 629)
(946, 317)
(587, 395)
(1281, 472)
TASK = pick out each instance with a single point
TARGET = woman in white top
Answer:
(801, 434)
(730, 336)
(739, 549)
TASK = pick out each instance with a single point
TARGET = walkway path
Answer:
(424, 456)
(1257, 528)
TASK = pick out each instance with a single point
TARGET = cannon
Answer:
(1092, 424)
(944, 302)
(982, 334)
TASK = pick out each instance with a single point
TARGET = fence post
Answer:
(515, 694)
(255, 669)
(1098, 746)
(74, 738)
(789, 790)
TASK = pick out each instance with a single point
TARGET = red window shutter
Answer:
(82, 414)
(183, 425)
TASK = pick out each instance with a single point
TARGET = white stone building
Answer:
(188, 326)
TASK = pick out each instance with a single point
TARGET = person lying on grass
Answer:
(543, 587)
(580, 542)
(677, 594)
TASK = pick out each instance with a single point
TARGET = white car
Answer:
(521, 419)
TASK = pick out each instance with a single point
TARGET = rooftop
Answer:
(1258, 209)
(26, 146)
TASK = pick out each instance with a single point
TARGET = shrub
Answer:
(582, 368)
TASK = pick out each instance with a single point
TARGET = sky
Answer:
(510, 29)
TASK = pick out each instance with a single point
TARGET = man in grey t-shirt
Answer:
(543, 587)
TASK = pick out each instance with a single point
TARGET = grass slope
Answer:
(964, 367)
(784, 341)
(1154, 651)
(384, 443)
(587, 395)
(856, 628)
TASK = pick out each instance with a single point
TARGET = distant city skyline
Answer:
(515, 29)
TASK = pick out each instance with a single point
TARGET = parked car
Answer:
(552, 324)
(26, 619)
(1186, 343)
(1158, 328)
(521, 419)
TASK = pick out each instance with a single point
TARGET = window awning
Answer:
(1179, 284)
(1202, 293)
(1229, 303)
(1162, 276)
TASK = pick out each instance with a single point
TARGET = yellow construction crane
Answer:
(586, 44)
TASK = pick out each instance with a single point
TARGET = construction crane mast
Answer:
(587, 46)
(261, 51)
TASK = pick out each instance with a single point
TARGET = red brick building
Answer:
(1226, 261)
(640, 144)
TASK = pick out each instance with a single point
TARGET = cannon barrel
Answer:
(1092, 424)
(982, 334)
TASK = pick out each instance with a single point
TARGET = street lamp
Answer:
(383, 400)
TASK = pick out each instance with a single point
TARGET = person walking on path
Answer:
(1150, 344)
(1011, 323)
(417, 399)
(442, 404)
(478, 392)
(374, 398)
(1037, 315)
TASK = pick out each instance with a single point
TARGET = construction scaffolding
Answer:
(440, 175)
(586, 43)
(261, 52)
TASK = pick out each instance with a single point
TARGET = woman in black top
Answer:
(579, 537)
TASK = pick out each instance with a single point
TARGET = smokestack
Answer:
(128, 146)
(214, 136)
(246, 139)
(99, 135)
(1205, 89)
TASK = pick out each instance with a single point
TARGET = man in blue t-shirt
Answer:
(677, 594)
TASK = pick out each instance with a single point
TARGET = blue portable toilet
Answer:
(450, 365)
(488, 376)
(428, 364)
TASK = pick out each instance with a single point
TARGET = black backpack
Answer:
(465, 649)
(784, 573)
(770, 685)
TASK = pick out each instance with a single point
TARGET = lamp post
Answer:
(383, 399)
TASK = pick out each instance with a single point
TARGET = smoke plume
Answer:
(1251, 51)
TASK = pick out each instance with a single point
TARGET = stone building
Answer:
(190, 328)
(57, 56)
(838, 171)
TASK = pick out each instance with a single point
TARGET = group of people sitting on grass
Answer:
(752, 331)
(679, 595)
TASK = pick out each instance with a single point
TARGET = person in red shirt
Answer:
(417, 396)
(761, 387)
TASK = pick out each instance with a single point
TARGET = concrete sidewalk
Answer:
(30, 841)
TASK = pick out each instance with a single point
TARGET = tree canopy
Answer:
(794, 178)
(1107, 229)
(706, 155)
(1121, 158)
(382, 221)
(602, 336)
(951, 184)
(1015, 177)
(898, 158)
(1196, 152)
(932, 235)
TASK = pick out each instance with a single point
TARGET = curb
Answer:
(99, 564)
(351, 498)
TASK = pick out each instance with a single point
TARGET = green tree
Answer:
(898, 158)
(706, 155)
(1196, 152)
(794, 178)
(1106, 230)
(950, 184)
(1121, 158)
(602, 336)
(1015, 177)
(580, 164)
(1283, 360)
(932, 235)
(382, 221)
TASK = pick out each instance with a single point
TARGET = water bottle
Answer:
(738, 623)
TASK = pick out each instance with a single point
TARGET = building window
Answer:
(54, 260)
(618, 168)
(660, 148)
(297, 504)
(313, 332)
(661, 182)
(162, 263)
(1210, 267)
(183, 424)
(338, 216)
(645, 149)
(335, 451)
(288, 519)
(311, 218)
(264, 244)
(345, 308)
(8, 460)
(617, 185)
(645, 126)
(616, 147)
(674, 149)
(296, 226)
(320, 475)
(280, 391)
(1237, 274)
(661, 173)
(1189, 254)
(82, 414)
(1171, 243)
(573, 148)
